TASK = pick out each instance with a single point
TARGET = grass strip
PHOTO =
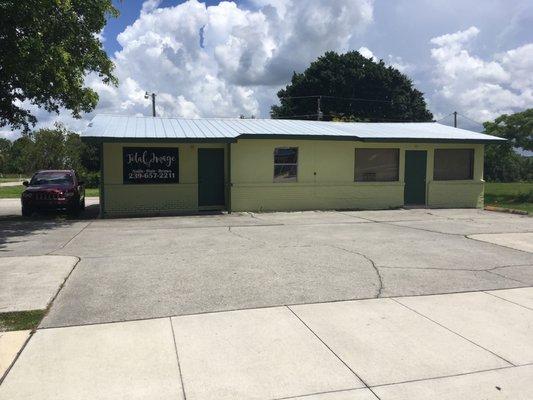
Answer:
(20, 320)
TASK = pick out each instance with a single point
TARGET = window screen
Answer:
(378, 165)
(453, 164)
(285, 164)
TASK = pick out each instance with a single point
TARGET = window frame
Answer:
(472, 152)
(285, 180)
(395, 149)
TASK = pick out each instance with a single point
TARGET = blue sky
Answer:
(129, 12)
(472, 56)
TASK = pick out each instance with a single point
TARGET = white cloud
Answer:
(366, 52)
(222, 60)
(391, 60)
(241, 56)
(482, 89)
(150, 5)
(455, 39)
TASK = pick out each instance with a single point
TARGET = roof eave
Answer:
(103, 139)
(433, 140)
(296, 136)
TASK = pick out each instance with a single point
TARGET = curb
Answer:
(506, 210)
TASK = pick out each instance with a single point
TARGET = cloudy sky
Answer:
(230, 58)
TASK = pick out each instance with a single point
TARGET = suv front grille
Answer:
(46, 196)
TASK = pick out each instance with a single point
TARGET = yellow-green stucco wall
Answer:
(326, 178)
(138, 199)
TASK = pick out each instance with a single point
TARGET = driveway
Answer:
(158, 267)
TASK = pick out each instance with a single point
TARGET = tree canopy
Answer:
(54, 148)
(517, 128)
(502, 162)
(47, 47)
(351, 87)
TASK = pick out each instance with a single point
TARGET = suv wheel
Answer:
(27, 212)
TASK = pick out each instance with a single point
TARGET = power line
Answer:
(462, 115)
(373, 119)
(473, 120)
(301, 97)
(297, 116)
(357, 99)
(446, 116)
(336, 97)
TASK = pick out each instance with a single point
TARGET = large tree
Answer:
(47, 47)
(351, 87)
(517, 128)
(53, 148)
(20, 156)
(503, 163)
(5, 149)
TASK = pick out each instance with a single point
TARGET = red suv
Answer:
(53, 190)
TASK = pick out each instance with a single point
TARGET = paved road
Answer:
(474, 346)
(159, 267)
(8, 184)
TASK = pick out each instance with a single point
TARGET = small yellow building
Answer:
(154, 166)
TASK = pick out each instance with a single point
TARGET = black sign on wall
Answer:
(150, 165)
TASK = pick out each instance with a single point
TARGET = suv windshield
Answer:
(51, 178)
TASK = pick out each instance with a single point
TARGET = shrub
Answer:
(91, 179)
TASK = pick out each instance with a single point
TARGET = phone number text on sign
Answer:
(150, 165)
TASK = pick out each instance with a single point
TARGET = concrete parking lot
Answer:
(324, 305)
(156, 267)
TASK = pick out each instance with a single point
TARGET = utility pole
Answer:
(319, 112)
(147, 96)
(455, 119)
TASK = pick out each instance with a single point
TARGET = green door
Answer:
(211, 191)
(415, 177)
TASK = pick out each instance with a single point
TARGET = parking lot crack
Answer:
(372, 263)
(506, 277)
(399, 225)
(509, 266)
(69, 241)
(469, 236)
(257, 242)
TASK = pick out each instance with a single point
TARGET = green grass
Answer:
(510, 195)
(92, 192)
(11, 192)
(20, 320)
(14, 192)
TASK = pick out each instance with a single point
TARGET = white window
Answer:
(285, 164)
(453, 164)
(376, 165)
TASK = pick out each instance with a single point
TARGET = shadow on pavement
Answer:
(14, 228)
